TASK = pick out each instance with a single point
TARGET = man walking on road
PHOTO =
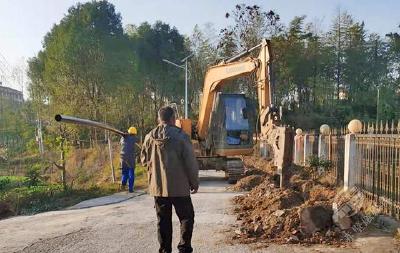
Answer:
(173, 174)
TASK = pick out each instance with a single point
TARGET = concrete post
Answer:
(308, 148)
(323, 147)
(298, 149)
(323, 142)
(323, 150)
(350, 155)
(349, 161)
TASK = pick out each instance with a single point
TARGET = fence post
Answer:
(323, 143)
(350, 152)
(308, 148)
(299, 147)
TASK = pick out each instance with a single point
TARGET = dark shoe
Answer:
(185, 251)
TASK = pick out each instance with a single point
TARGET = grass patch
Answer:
(30, 200)
(89, 176)
(10, 182)
(140, 177)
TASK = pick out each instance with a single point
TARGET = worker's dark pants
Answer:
(128, 174)
(184, 210)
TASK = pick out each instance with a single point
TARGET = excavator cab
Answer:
(232, 125)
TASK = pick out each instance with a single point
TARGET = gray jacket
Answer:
(128, 151)
(171, 163)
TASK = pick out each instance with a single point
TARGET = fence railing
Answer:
(328, 147)
(377, 165)
(336, 155)
(368, 158)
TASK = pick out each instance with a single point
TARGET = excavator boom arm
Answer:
(217, 77)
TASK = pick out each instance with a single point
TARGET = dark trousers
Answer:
(128, 174)
(184, 210)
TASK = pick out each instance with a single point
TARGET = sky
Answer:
(23, 23)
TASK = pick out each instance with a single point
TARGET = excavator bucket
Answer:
(278, 146)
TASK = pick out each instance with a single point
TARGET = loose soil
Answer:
(248, 183)
(271, 214)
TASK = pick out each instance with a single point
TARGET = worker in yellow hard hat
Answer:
(128, 158)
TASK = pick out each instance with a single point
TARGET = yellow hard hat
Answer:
(132, 130)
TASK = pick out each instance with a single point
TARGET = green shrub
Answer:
(34, 175)
(326, 164)
(4, 183)
(9, 182)
(315, 163)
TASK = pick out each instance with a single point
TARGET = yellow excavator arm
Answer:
(217, 76)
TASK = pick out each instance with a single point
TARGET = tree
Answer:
(84, 58)
(338, 39)
(250, 25)
(393, 73)
(205, 53)
(158, 80)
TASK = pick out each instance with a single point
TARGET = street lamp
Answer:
(184, 67)
(377, 105)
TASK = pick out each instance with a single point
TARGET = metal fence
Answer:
(334, 145)
(378, 165)
(373, 162)
(336, 154)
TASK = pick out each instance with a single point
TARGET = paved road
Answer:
(130, 226)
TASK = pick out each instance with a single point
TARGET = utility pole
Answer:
(186, 89)
(39, 135)
(185, 67)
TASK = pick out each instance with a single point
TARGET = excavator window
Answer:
(235, 114)
(236, 119)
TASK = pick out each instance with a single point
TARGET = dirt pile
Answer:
(255, 165)
(255, 173)
(300, 213)
(248, 183)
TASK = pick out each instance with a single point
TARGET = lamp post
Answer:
(184, 67)
(377, 106)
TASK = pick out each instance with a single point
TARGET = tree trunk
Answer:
(63, 164)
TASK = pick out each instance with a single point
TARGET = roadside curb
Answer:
(105, 200)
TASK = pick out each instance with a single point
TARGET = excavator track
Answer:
(234, 170)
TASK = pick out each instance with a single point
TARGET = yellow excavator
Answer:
(227, 123)
(225, 127)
